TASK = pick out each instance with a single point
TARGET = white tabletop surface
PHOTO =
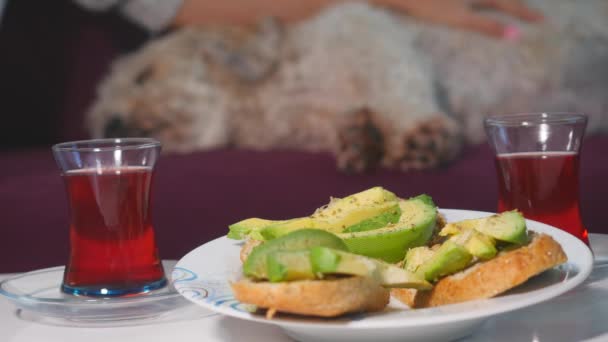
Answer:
(578, 315)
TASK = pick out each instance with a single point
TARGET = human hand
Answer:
(465, 14)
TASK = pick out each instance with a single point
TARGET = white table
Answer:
(581, 314)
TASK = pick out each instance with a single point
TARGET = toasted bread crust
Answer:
(490, 278)
(325, 298)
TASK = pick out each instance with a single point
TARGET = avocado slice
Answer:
(248, 227)
(370, 197)
(417, 256)
(358, 219)
(281, 228)
(509, 226)
(390, 243)
(366, 210)
(468, 239)
(256, 264)
(331, 261)
(450, 258)
(392, 215)
(478, 244)
(317, 262)
(289, 265)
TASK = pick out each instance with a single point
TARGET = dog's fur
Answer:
(365, 83)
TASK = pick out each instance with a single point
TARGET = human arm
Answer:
(467, 14)
(159, 14)
(463, 14)
(152, 15)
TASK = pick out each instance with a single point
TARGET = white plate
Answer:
(37, 294)
(202, 276)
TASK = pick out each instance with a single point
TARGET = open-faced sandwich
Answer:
(352, 254)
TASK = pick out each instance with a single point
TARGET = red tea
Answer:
(111, 234)
(543, 186)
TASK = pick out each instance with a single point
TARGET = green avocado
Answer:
(331, 261)
(281, 228)
(468, 239)
(318, 262)
(357, 219)
(478, 244)
(366, 210)
(370, 197)
(449, 258)
(256, 264)
(509, 226)
(390, 243)
(289, 265)
(417, 256)
(248, 227)
(391, 215)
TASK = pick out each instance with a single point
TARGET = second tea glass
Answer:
(537, 163)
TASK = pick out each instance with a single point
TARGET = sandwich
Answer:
(352, 254)
(490, 278)
(310, 272)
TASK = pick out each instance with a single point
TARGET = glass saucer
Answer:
(39, 292)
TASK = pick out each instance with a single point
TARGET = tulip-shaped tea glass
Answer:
(112, 245)
(537, 161)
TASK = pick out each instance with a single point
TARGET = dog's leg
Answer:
(426, 144)
(360, 141)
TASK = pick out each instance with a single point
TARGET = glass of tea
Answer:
(537, 162)
(113, 250)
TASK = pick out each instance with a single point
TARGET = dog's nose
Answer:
(115, 128)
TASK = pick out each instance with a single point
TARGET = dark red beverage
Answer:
(544, 187)
(113, 249)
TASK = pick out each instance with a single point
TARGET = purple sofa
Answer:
(196, 195)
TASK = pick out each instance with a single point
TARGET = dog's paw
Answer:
(361, 144)
(429, 144)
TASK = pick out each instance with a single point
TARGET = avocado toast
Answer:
(310, 272)
(480, 258)
(345, 257)
(489, 278)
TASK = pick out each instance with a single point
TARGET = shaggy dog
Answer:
(365, 83)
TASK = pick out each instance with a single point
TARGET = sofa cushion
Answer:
(197, 195)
